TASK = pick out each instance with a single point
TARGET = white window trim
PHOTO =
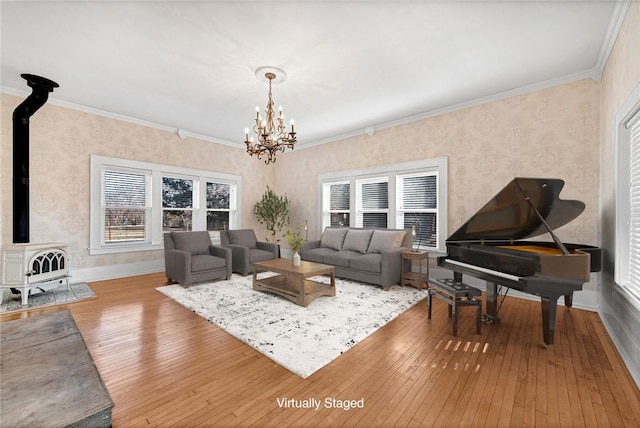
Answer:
(622, 204)
(439, 164)
(98, 163)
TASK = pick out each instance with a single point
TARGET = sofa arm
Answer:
(225, 253)
(269, 246)
(178, 265)
(391, 268)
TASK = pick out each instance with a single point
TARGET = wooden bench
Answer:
(456, 294)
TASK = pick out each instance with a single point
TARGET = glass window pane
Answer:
(425, 226)
(217, 220)
(375, 196)
(419, 192)
(339, 219)
(218, 195)
(123, 189)
(374, 220)
(177, 193)
(339, 196)
(124, 224)
(176, 220)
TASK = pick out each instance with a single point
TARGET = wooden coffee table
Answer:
(292, 283)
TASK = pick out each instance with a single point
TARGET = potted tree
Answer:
(272, 211)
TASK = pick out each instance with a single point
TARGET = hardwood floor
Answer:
(166, 367)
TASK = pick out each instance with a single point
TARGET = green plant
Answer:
(295, 240)
(272, 211)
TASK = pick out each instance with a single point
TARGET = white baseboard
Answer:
(102, 273)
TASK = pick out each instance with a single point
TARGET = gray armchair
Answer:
(189, 257)
(246, 249)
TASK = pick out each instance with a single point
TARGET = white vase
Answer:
(296, 259)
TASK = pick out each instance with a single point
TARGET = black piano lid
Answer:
(509, 216)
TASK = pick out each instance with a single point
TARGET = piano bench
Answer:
(456, 294)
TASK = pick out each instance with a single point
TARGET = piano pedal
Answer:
(490, 319)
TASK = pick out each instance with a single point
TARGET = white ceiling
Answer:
(190, 66)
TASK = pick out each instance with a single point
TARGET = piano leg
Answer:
(549, 306)
(491, 316)
(568, 300)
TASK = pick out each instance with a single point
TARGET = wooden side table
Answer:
(415, 279)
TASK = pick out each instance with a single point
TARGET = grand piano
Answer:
(492, 246)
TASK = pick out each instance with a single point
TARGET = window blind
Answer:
(634, 205)
(126, 206)
(417, 206)
(372, 202)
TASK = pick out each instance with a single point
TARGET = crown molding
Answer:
(615, 24)
(181, 133)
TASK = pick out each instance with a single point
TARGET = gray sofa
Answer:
(367, 255)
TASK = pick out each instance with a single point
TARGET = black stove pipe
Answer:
(40, 93)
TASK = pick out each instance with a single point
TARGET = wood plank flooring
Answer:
(166, 367)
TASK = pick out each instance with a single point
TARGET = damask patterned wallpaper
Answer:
(548, 133)
(62, 141)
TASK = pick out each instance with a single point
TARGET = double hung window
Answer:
(134, 203)
(409, 195)
(336, 199)
(627, 260)
(126, 206)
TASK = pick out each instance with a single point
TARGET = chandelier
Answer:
(272, 138)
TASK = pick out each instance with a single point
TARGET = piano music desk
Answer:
(456, 294)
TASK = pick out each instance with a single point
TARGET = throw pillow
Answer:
(244, 237)
(333, 238)
(385, 240)
(357, 240)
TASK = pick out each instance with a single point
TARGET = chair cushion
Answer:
(367, 262)
(332, 238)
(256, 255)
(357, 240)
(385, 240)
(192, 242)
(244, 237)
(202, 262)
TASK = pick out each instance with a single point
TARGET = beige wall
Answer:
(621, 75)
(548, 133)
(62, 141)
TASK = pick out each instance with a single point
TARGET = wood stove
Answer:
(33, 268)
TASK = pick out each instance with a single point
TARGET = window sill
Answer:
(94, 251)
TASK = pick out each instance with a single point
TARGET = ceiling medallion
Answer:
(271, 138)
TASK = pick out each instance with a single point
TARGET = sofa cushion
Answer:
(333, 238)
(357, 240)
(192, 242)
(316, 254)
(340, 258)
(385, 240)
(203, 262)
(244, 237)
(367, 262)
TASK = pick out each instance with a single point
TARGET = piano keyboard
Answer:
(485, 270)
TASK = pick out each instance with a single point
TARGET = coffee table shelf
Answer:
(293, 283)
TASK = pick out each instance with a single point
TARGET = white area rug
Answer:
(300, 339)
